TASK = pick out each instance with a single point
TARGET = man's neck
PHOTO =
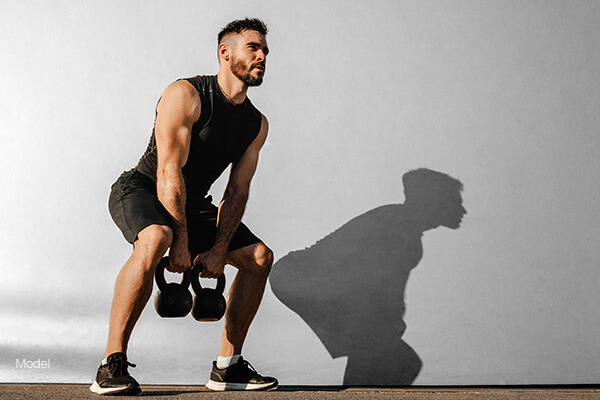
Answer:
(421, 219)
(232, 87)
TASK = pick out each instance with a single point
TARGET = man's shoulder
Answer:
(201, 82)
(200, 79)
(255, 111)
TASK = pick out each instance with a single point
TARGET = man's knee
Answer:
(152, 243)
(263, 257)
(256, 259)
(155, 238)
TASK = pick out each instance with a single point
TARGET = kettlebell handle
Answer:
(196, 269)
(160, 275)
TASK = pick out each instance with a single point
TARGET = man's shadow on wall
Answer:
(349, 287)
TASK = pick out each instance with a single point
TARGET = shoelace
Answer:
(118, 367)
(249, 366)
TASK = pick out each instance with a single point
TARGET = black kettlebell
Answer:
(173, 300)
(209, 304)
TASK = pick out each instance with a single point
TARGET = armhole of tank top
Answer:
(210, 91)
(212, 109)
(259, 119)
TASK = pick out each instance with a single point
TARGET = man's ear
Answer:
(224, 51)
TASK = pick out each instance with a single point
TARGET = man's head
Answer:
(436, 196)
(243, 49)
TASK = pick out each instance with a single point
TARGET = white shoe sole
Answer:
(95, 388)
(224, 386)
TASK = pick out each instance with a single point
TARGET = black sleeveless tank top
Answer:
(219, 137)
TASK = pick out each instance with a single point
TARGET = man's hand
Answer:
(180, 258)
(213, 262)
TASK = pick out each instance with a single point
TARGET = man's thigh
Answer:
(134, 205)
(202, 231)
(255, 257)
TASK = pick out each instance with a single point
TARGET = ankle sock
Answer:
(224, 362)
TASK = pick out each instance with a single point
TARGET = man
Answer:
(203, 124)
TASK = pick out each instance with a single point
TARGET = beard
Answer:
(243, 74)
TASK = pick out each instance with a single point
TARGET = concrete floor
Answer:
(66, 392)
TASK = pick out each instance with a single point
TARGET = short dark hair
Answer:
(426, 186)
(240, 25)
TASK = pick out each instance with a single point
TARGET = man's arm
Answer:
(177, 111)
(233, 205)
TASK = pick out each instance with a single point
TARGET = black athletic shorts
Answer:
(134, 205)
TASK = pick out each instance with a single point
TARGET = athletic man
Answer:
(203, 124)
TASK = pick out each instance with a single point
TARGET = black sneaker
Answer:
(113, 378)
(239, 376)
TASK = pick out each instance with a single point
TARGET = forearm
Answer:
(172, 194)
(231, 211)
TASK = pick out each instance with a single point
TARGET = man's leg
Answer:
(133, 289)
(254, 264)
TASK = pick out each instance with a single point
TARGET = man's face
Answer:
(249, 57)
(452, 212)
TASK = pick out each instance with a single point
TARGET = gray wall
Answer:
(503, 96)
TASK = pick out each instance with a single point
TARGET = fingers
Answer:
(177, 270)
(209, 274)
(178, 265)
(211, 268)
(198, 260)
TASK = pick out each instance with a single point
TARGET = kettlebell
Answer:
(173, 300)
(209, 304)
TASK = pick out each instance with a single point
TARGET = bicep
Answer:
(243, 170)
(177, 111)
